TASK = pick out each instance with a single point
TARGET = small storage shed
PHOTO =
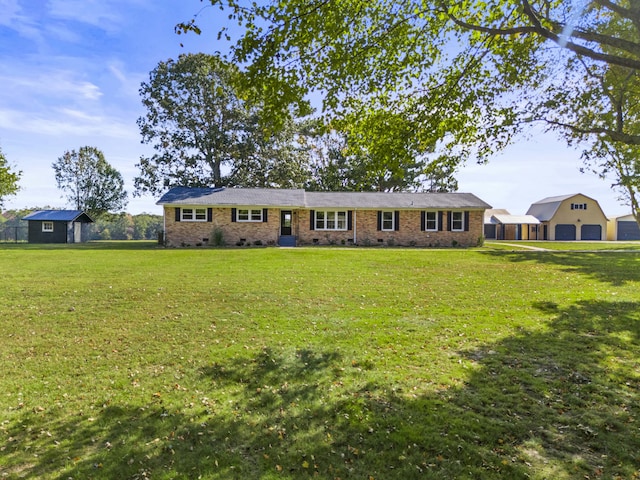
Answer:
(623, 228)
(57, 226)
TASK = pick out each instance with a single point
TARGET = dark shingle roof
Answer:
(392, 200)
(265, 197)
(259, 197)
(59, 216)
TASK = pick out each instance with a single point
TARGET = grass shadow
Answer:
(560, 402)
(615, 268)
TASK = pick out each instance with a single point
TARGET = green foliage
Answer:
(8, 179)
(202, 120)
(217, 239)
(91, 183)
(277, 159)
(456, 80)
(124, 226)
(131, 361)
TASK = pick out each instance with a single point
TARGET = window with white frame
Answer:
(47, 226)
(431, 221)
(249, 215)
(330, 220)
(193, 215)
(457, 221)
(578, 206)
(388, 222)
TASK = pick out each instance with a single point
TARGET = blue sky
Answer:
(70, 71)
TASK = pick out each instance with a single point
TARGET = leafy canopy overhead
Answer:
(465, 76)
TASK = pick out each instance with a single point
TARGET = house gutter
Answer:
(164, 226)
(355, 229)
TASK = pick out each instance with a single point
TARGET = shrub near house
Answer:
(238, 216)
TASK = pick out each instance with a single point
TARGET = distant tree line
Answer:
(121, 226)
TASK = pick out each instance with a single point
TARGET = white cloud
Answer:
(12, 16)
(68, 123)
(48, 84)
(97, 13)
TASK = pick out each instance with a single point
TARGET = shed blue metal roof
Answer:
(59, 216)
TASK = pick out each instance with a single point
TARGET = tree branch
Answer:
(538, 29)
(612, 134)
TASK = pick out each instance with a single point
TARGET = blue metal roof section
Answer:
(59, 216)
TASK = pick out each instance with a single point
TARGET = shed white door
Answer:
(77, 232)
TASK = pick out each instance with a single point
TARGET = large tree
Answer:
(208, 130)
(273, 159)
(467, 75)
(195, 120)
(90, 182)
(8, 179)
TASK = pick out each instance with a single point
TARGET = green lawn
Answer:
(128, 361)
(565, 246)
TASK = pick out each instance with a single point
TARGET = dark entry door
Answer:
(285, 222)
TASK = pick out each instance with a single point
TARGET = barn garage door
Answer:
(591, 232)
(565, 232)
(628, 231)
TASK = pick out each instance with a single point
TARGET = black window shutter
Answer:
(350, 220)
(209, 214)
(396, 223)
(233, 214)
(177, 214)
(466, 221)
(379, 220)
(312, 219)
(423, 221)
(440, 223)
(449, 220)
(264, 214)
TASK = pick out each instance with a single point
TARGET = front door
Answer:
(286, 222)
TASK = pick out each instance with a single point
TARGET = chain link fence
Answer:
(14, 234)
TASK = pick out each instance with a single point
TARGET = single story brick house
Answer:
(57, 226)
(290, 217)
(568, 217)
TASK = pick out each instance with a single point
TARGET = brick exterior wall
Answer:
(365, 223)
(203, 233)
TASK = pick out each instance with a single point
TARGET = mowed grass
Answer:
(566, 246)
(132, 362)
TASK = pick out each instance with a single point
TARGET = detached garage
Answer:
(570, 217)
(623, 228)
(57, 226)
